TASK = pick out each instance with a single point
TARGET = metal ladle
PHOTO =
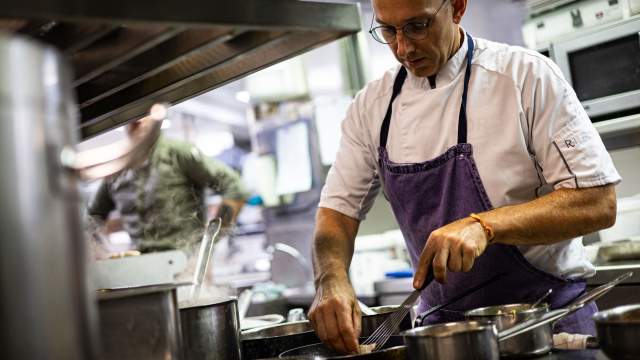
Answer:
(204, 256)
(537, 302)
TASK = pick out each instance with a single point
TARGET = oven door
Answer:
(604, 68)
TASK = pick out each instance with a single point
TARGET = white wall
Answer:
(497, 20)
(627, 162)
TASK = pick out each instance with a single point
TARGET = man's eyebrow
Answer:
(423, 17)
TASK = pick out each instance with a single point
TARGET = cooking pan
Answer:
(619, 331)
(271, 341)
(394, 349)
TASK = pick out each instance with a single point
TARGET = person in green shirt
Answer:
(161, 201)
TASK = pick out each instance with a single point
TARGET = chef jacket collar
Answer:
(449, 71)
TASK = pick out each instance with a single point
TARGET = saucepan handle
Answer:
(558, 314)
(110, 159)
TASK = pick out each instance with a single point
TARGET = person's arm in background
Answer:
(220, 178)
(98, 211)
(101, 204)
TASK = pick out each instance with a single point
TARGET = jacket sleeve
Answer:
(102, 203)
(211, 173)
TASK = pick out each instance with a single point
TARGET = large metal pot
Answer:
(140, 323)
(535, 342)
(211, 330)
(45, 303)
(619, 331)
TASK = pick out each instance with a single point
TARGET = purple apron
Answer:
(428, 195)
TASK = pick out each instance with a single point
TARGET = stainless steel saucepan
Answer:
(211, 327)
(535, 342)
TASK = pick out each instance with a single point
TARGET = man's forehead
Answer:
(398, 11)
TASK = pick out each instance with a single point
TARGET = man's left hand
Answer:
(453, 247)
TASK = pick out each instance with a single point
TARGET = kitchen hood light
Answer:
(243, 96)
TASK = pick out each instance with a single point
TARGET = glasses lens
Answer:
(384, 34)
(416, 31)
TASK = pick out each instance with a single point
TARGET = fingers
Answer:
(468, 257)
(356, 316)
(440, 265)
(346, 329)
(333, 321)
(426, 258)
(455, 258)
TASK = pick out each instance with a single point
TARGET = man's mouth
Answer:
(415, 62)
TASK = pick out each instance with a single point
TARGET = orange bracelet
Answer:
(487, 229)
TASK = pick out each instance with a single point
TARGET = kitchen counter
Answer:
(628, 292)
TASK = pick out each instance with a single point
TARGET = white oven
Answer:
(604, 69)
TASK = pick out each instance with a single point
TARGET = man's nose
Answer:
(404, 44)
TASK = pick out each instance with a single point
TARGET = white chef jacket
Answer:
(529, 133)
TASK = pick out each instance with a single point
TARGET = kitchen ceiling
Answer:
(127, 55)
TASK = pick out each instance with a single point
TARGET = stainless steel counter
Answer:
(628, 292)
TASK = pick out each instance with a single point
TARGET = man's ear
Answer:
(459, 8)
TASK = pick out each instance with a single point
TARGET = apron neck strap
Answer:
(397, 86)
(462, 117)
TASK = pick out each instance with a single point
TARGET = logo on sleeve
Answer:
(570, 143)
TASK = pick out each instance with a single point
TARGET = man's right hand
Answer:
(335, 314)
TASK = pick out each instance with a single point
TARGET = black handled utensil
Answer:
(382, 334)
(465, 293)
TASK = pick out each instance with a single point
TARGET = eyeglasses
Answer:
(386, 34)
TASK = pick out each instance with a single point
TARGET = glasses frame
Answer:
(426, 24)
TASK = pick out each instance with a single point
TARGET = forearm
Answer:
(560, 215)
(333, 244)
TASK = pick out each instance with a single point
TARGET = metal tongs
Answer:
(557, 314)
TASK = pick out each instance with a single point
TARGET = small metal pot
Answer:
(139, 323)
(211, 330)
(271, 341)
(619, 331)
(535, 342)
(464, 340)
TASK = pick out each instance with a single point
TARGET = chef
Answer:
(489, 162)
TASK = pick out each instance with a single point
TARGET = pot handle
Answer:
(110, 159)
(558, 314)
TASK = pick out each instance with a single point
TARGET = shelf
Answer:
(621, 132)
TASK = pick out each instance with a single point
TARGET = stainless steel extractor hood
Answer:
(128, 54)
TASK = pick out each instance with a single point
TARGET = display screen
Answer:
(606, 69)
